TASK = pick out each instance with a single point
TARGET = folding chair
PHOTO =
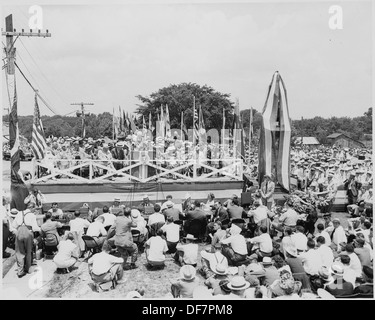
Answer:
(91, 245)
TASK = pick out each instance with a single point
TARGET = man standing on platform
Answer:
(267, 190)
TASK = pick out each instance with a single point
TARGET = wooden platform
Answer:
(71, 196)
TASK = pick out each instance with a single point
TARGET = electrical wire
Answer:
(42, 73)
(36, 91)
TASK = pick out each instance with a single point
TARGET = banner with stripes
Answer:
(18, 189)
(275, 135)
(38, 141)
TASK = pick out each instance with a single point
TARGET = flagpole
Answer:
(113, 123)
(182, 120)
(250, 128)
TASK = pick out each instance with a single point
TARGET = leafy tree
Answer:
(179, 98)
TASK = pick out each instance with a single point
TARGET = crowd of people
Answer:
(224, 250)
(66, 152)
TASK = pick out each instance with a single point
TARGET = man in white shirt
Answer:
(287, 219)
(311, 260)
(67, 253)
(109, 218)
(187, 253)
(156, 247)
(325, 252)
(172, 233)
(96, 229)
(299, 239)
(259, 214)
(168, 198)
(349, 274)
(337, 235)
(323, 233)
(78, 224)
(156, 216)
(104, 267)
(57, 213)
(355, 263)
(235, 247)
(262, 244)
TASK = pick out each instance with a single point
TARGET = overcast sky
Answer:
(108, 54)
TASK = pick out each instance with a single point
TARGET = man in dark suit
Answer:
(118, 154)
(235, 211)
(352, 188)
(196, 214)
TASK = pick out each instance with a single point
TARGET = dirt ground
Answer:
(156, 284)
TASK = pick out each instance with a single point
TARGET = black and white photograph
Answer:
(179, 151)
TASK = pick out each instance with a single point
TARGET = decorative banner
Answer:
(275, 135)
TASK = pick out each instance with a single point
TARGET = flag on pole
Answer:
(18, 189)
(237, 133)
(38, 141)
(116, 124)
(202, 129)
(121, 122)
(183, 126)
(162, 123)
(133, 127)
(150, 125)
(167, 123)
(144, 127)
(195, 123)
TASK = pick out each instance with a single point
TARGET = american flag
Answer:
(18, 189)
(195, 123)
(38, 142)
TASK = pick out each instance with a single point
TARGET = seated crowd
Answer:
(238, 252)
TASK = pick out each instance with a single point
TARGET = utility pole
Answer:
(82, 114)
(10, 50)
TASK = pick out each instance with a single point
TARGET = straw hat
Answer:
(13, 212)
(238, 283)
(220, 269)
(187, 272)
(190, 237)
(292, 251)
(169, 204)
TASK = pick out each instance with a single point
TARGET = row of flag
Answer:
(18, 188)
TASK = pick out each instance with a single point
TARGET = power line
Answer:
(36, 91)
(42, 73)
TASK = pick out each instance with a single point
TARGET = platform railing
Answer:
(94, 171)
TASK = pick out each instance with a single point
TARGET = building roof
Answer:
(335, 135)
(307, 140)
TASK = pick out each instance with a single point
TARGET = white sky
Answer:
(108, 54)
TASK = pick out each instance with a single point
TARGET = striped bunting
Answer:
(275, 136)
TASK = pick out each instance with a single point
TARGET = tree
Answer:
(179, 98)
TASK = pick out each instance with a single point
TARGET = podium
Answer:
(246, 198)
